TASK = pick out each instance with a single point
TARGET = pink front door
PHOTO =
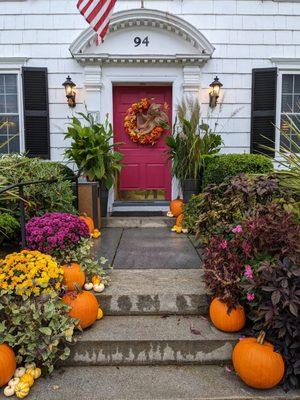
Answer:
(146, 167)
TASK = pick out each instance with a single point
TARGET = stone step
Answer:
(197, 382)
(149, 340)
(138, 222)
(156, 292)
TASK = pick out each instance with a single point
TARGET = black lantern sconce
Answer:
(70, 92)
(214, 92)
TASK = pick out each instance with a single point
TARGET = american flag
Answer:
(97, 13)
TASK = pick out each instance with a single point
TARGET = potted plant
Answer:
(192, 139)
(92, 150)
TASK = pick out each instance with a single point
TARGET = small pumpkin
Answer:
(256, 362)
(13, 382)
(7, 364)
(100, 314)
(89, 221)
(179, 220)
(20, 372)
(232, 321)
(96, 233)
(84, 307)
(99, 288)
(34, 372)
(73, 274)
(27, 378)
(88, 286)
(176, 207)
(22, 390)
(9, 391)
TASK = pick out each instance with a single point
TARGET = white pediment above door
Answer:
(144, 36)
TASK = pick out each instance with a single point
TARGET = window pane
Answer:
(14, 144)
(3, 144)
(2, 103)
(11, 103)
(11, 84)
(297, 103)
(1, 84)
(297, 84)
(287, 103)
(287, 83)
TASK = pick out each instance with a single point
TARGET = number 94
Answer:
(138, 41)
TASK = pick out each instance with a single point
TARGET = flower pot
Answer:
(190, 187)
(89, 201)
(103, 199)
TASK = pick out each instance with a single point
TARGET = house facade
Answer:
(166, 50)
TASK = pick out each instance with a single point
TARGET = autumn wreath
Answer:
(146, 121)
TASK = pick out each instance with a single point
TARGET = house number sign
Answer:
(138, 41)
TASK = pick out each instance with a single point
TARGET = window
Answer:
(290, 108)
(9, 112)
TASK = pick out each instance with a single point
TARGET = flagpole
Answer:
(142, 3)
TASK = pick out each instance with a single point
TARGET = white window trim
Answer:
(13, 66)
(285, 66)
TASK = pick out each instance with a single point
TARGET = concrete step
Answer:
(138, 222)
(157, 292)
(149, 383)
(149, 340)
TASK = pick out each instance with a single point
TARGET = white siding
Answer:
(245, 33)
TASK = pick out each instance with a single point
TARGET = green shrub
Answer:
(219, 167)
(9, 226)
(40, 198)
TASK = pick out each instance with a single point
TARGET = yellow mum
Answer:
(30, 272)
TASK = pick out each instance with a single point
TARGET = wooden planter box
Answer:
(89, 201)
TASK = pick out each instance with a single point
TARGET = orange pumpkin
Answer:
(84, 307)
(233, 321)
(89, 221)
(7, 364)
(176, 207)
(73, 274)
(256, 362)
(179, 220)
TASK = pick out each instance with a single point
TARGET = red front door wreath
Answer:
(146, 121)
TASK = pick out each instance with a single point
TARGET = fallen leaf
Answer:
(195, 331)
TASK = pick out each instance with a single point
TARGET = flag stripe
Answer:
(98, 14)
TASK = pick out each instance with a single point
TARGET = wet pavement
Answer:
(147, 248)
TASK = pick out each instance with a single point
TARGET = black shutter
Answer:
(36, 112)
(263, 111)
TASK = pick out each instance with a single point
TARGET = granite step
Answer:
(149, 383)
(155, 292)
(138, 221)
(152, 340)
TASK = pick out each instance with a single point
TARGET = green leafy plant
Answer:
(92, 149)
(9, 226)
(218, 168)
(82, 254)
(229, 202)
(191, 140)
(38, 328)
(274, 303)
(40, 198)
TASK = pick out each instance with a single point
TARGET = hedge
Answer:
(219, 167)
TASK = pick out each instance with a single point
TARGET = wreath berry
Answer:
(146, 121)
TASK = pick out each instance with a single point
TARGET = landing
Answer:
(147, 248)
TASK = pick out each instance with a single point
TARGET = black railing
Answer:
(22, 200)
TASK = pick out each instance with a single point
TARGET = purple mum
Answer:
(55, 232)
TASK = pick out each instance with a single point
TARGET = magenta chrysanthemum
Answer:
(54, 232)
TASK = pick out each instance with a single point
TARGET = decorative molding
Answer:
(286, 63)
(191, 79)
(13, 62)
(93, 77)
(81, 48)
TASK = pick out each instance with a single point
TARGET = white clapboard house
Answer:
(161, 49)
